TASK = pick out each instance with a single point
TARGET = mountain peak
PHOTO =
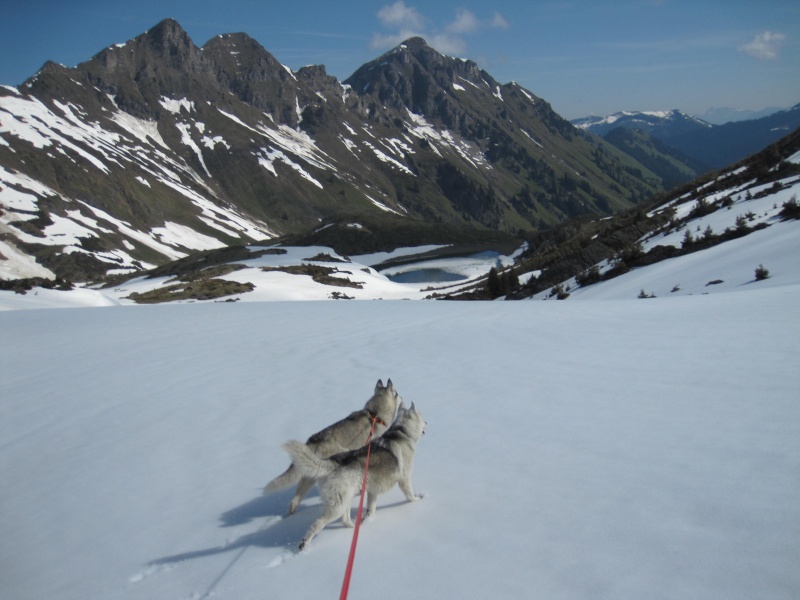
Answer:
(417, 48)
(169, 41)
(167, 26)
(168, 32)
(413, 44)
(240, 49)
(232, 40)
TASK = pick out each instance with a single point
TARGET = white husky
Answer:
(349, 433)
(340, 477)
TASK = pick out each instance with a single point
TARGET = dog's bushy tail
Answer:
(286, 479)
(306, 462)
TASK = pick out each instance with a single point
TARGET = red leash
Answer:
(349, 569)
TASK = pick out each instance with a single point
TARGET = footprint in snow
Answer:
(149, 571)
(283, 557)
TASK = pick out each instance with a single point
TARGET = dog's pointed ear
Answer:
(413, 407)
(389, 385)
(378, 386)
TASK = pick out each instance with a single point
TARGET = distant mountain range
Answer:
(707, 146)
(666, 125)
(156, 148)
(722, 115)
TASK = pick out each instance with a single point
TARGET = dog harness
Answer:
(375, 418)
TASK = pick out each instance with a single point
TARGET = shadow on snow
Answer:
(279, 531)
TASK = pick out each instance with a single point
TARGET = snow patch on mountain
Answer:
(387, 159)
(144, 131)
(142, 237)
(32, 121)
(349, 144)
(175, 105)
(382, 206)
(15, 262)
(422, 129)
(18, 202)
(211, 142)
(176, 234)
(526, 94)
(186, 138)
(267, 158)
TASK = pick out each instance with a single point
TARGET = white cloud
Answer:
(765, 46)
(400, 16)
(452, 45)
(498, 21)
(403, 22)
(465, 22)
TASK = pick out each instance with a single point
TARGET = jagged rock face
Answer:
(156, 148)
(162, 62)
(411, 76)
(255, 77)
(416, 78)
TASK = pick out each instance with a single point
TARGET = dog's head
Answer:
(411, 421)
(385, 402)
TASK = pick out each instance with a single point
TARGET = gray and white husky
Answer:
(340, 477)
(349, 433)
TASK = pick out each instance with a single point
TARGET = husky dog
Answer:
(340, 477)
(347, 434)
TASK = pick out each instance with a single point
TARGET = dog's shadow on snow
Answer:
(274, 505)
(276, 531)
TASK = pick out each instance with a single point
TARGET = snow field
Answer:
(608, 449)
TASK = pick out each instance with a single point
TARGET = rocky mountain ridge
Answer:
(157, 148)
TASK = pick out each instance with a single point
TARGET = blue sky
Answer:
(585, 58)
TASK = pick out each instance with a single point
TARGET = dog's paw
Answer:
(419, 496)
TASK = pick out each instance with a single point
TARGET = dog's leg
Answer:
(329, 515)
(346, 501)
(405, 487)
(305, 485)
(372, 503)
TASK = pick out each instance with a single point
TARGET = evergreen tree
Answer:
(493, 283)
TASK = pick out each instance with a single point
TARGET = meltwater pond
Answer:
(428, 275)
(442, 270)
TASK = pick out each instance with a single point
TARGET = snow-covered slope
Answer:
(284, 273)
(619, 449)
(717, 210)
